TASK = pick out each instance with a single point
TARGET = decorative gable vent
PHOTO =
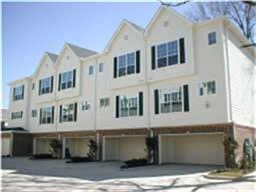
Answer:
(166, 23)
(125, 37)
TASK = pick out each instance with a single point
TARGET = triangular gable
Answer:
(160, 11)
(124, 23)
(51, 56)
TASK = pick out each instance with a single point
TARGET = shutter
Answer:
(22, 91)
(13, 94)
(140, 103)
(40, 116)
(182, 50)
(74, 78)
(51, 84)
(52, 114)
(115, 67)
(186, 98)
(156, 97)
(153, 57)
(59, 82)
(21, 114)
(117, 106)
(75, 112)
(138, 61)
(39, 89)
(60, 117)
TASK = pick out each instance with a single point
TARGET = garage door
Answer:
(43, 146)
(5, 146)
(125, 148)
(194, 149)
(77, 146)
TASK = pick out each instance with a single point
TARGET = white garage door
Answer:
(77, 146)
(124, 148)
(194, 149)
(5, 146)
(43, 146)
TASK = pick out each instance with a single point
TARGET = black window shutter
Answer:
(140, 103)
(13, 94)
(153, 57)
(74, 78)
(21, 114)
(117, 106)
(60, 117)
(22, 91)
(39, 89)
(115, 67)
(40, 116)
(75, 112)
(138, 61)
(186, 97)
(182, 50)
(156, 96)
(52, 114)
(59, 82)
(51, 84)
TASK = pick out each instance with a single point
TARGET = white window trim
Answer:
(128, 111)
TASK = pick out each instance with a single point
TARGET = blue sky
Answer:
(30, 29)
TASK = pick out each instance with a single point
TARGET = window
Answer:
(104, 102)
(68, 112)
(101, 66)
(167, 54)
(17, 115)
(45, 85)
(129, 106)
(67, 79)
(34, 113)
(170, 100)
(90, 70)
(212, 38)
(207, 88)
(46, 115)
(126, 64)
(85, 106)
(18, 93)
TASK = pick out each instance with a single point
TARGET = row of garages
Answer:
(204, 148)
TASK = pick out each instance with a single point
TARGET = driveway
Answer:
(23, 175)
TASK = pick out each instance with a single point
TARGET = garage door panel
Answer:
(204, 149)
(43, 146)
(5, 146)
(125, 148)
(77, 147)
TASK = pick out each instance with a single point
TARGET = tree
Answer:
(241, 13)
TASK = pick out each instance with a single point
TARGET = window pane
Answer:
(211, 87)
(211, 38)
(101, 67)
(161, 50)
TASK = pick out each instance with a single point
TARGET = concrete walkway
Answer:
(23, 175)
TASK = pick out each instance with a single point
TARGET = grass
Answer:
(228, 173)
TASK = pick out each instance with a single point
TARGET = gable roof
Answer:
(52, 56)
(124, 22)
(80, 51)
(171, 10)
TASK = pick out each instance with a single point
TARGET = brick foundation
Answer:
(241, 133)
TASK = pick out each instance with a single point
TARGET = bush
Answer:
(92, 154)
(248, 161)
(56, 146)
(135, 163)
(230, 146)
(152, 145)
(42, 156)
(78, 159)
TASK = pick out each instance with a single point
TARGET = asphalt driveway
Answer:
(23, 175)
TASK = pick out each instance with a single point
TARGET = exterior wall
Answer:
(241, 71)
(20, 105)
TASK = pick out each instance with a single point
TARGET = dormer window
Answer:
(18, 93)
(67, 79)
(46, 85)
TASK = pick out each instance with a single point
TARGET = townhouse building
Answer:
(188, 84)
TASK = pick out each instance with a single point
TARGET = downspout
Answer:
(228, 78)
